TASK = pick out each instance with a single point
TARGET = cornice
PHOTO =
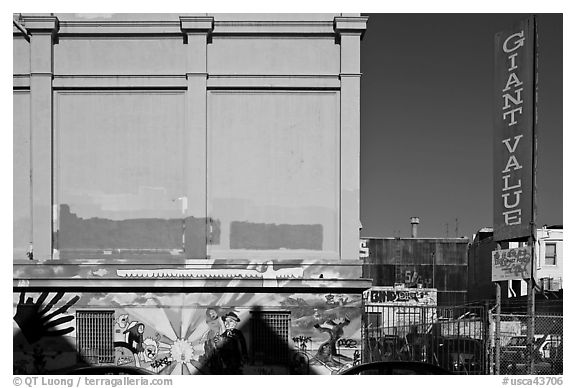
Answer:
(350, 25)
(196, 24)
(41, 24)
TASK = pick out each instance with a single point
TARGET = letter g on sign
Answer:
(517, 44)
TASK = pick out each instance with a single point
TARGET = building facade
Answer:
(549, 254)
(186, 192)
(438, 263)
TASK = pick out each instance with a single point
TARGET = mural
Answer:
(231, 345)
(207, 333)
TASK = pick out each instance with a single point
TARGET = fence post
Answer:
(487, 352)
(497, 330)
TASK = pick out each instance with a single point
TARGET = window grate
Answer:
(270, 334)
(95, 336)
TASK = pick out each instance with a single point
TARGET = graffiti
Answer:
(119, 326)
(364, 250)
(347, 343)
(333, 300)
(509, 264)
(160, 363)
(301, 342)
(210, 339)
(400, 296)
(357, 360)
(150, 349)
(232, 345)
(327, 351)
(135, 338)
(36, 322)
(169, 339)
(413, 279)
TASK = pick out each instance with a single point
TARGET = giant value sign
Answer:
(511, 264)
(514, 128)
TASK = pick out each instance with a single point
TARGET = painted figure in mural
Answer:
(150, 350)
(327, 351)
(135, 338)
(232, 346)
(119, 327)
(210, 359)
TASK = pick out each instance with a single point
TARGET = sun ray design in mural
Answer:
(179, 332)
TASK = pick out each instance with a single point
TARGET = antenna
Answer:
(457, 227)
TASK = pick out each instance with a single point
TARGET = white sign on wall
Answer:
(511, 264)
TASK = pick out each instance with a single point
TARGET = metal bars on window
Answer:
(95, 336)
(270, 334)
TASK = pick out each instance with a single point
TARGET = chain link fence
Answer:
(514, 353)
(451, 337)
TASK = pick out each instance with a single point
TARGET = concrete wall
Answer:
(188, 136)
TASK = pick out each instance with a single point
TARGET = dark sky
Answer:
(426, 130)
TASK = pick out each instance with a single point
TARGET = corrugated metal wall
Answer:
(437, 263)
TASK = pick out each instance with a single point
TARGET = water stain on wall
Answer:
(248, 235)
(76, 233)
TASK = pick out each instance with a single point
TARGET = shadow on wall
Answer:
(41, 344)
(264, 350)
(40, 338)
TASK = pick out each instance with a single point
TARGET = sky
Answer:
(426, 122)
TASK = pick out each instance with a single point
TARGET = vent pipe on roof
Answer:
(414, 221)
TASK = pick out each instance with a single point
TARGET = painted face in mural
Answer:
(122, 320)
(211, 315)
(150, 349)
(230, 323)
(214, 325)
(141, 328)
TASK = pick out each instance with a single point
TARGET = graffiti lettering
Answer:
(413, 278)
(302, 341)
(382, 296)
(357, 359)
(347, 343)
(510, 263)
(159, 363)
(335, 300)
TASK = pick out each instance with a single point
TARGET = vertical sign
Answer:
(514, 120)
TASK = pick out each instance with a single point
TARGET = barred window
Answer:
(550, 258)
(95, 336)
(270, 334)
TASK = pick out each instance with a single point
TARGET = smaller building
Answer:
(439, 263)
(549, 269)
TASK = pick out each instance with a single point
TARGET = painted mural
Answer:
(203, 333)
